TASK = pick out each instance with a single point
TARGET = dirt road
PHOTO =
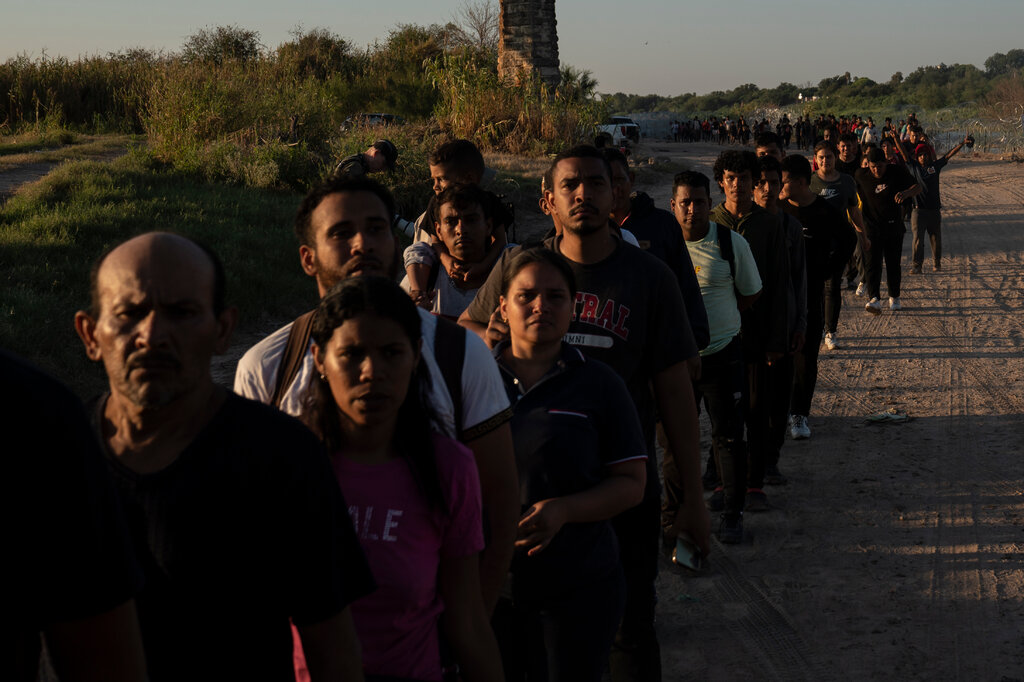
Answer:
(895, 551)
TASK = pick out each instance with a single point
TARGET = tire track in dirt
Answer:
(848, 392)
(963, 595)
(763, 627)
(895, 551)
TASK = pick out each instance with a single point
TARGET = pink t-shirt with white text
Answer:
(404, 541)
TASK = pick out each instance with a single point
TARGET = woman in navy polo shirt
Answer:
(581, 459)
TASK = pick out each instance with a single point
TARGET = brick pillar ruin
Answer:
(528, 39)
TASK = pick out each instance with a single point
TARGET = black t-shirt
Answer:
(629, 314)
(878, 196)
(66, 547)
(829, 239)
(567, 429)
(659, 234)
(848, 167)
(244, 530)
(928, 177)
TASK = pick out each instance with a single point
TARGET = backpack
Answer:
(449, 352)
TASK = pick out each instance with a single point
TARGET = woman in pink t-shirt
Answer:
(414, 496)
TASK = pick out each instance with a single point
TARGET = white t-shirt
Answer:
(484, 401)
(717, 286)
(449, 300)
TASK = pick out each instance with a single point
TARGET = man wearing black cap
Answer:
(882, 187)
(379, 156)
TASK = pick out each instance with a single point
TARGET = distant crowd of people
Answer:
(803, 132)
(447, 469)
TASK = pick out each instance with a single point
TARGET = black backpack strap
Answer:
(294, 352)
(725, 246)
(450, 353)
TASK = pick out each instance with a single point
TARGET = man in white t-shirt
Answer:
(730, 283)
(344, 228)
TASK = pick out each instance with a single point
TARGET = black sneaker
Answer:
(772, 476)
(730, 529)
(757, 501)
(716, 502)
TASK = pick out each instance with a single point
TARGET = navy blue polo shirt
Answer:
(566, 430)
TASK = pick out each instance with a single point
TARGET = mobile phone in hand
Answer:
(687, 553)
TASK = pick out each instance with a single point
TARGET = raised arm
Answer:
(899, 146)
(952, 152)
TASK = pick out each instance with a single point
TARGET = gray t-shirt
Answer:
(841, 192)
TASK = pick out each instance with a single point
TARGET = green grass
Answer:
(82, 147)
(32, 141)
(51, 233)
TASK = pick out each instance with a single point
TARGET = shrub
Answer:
(518, 117)
(222, 44)
(318, 54)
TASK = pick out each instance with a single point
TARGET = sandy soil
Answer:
(895, 551)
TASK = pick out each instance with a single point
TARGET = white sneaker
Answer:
(830, 341)
(799, 430)
(874, 306)
(861, 290)
(894, 303)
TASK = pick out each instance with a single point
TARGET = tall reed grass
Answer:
(228, 110)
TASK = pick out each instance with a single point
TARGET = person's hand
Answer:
(424, 299)
(497, 329)
(455, 271)
(796, 342)
(539, 525)
(772, 355)
(693, 518)
(899, 197)
(477, 272)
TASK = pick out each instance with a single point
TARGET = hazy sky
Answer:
(635, 46)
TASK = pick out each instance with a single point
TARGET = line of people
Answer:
(479, 502)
